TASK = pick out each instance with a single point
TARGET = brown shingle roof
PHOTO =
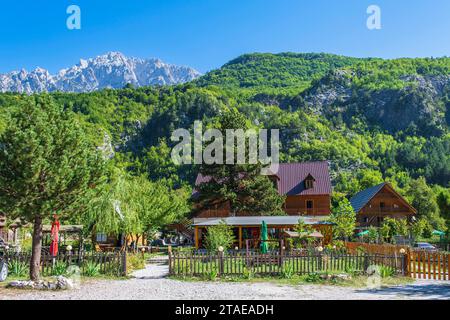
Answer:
(292, 175)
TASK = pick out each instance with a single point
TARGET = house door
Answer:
(309, 207)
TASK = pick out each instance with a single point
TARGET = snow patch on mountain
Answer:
(111, 70)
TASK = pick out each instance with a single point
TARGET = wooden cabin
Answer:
(307, 187)
(374, 204)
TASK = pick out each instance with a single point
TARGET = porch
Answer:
(247, 229)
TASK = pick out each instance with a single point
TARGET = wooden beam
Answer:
(196, 237)
(240, 237)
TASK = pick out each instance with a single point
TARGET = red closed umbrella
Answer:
(55, 237)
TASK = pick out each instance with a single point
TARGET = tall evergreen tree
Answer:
(47, 166)
(242, 186)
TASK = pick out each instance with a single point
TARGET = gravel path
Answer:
(151, 283)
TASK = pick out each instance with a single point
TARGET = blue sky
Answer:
(205, 34)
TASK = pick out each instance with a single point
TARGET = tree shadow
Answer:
(436, 291)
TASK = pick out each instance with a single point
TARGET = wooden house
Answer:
(374, 204)
(307, 187)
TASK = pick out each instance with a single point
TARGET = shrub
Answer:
(248, 273)
(373, 234)
(313, 278)
(288, 272)
(361, 250)
(219, 236)
(91, 269)
(212, 274)
(135, 262)
(351, 270)
(386, 272)
(59, 269)
(17, 268)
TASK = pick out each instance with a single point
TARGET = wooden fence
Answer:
(241, 263)
(428, 265)
(388, 249)
(106, 263)
(421, 264)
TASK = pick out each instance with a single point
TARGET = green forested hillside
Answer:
(373, 119)
(268, 70)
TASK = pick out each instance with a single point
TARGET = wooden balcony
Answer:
(385, 211)
(307, 212)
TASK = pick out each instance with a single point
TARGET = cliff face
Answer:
(420, 104)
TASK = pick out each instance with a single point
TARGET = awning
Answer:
(256, 221)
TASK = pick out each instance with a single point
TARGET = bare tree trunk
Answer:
(36, 249)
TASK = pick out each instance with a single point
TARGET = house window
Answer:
(382, 205)
(380, 220)
(309, 204)
(102, 237)
(365, 219)
(309, 184)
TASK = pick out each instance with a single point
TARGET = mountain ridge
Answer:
(110, 70)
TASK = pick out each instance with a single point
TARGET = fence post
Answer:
(124, 263)
(169, 252)
(320, 262)
(366, 262)
(281, 253)
(405, 263)
(221, 265)
(247, 254)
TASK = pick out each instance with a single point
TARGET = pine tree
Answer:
(240, 185)
(47, 166)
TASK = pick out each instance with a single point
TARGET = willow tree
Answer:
(47, 166)
(135, 206)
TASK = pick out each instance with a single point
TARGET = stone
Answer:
(342, 276)
(60, 283)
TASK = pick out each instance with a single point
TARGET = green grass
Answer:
(355, 282)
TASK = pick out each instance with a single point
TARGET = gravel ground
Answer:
(151, 283)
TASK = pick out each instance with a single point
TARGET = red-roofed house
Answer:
(307, 187)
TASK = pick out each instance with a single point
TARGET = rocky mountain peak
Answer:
(110, 70)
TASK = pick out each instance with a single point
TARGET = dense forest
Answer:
(374, 120)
